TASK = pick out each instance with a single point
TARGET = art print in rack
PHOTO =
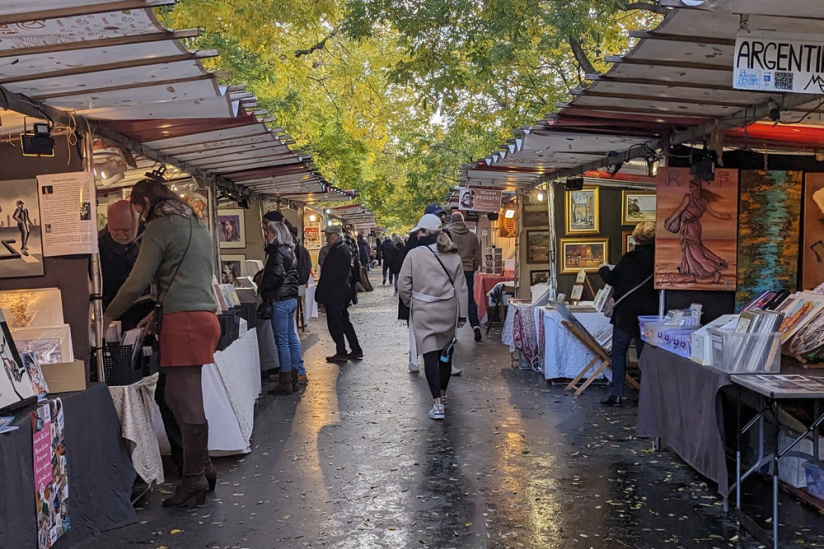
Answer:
(582, 211)
(231, 230)
(769, 228)
(15, 382)
(21, 242)
(812, 253)
(696, 230)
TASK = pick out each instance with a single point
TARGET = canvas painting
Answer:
(696, 231)
(21, 244)
(586, 254)
(537, 246)
(582, 211)
(637, 207)
(231, 267)
(538, 277)
(536, 216)
(231, 230)
(769, 227)
(627, 243)
(812, 253)
(15, 383)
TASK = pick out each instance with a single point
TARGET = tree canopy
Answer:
(392, 97)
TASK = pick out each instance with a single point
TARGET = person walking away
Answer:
(378, 252)
(433, 286)
(365, 254)
(469, 248)
(397, 259)
(279, 286)
(634, 295)
(335, 291)
(177, 252)
(388, 252)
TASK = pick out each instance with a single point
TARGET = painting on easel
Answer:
(696, 230)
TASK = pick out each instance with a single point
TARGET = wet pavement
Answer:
(354, 462)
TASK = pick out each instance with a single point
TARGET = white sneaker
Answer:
(456, 371)
(436, 412)
(414, 368)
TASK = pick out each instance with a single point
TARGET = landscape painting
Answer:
(812, 254)
(637, 207)
(768, 232)
(696, 230)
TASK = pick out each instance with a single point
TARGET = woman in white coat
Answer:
(432, 284)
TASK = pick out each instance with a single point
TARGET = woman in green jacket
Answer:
(176, 257)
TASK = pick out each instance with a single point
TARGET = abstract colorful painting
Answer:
(696, 230)
(768, 232)
(812, 254)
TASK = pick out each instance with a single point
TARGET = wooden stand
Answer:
(602, 360)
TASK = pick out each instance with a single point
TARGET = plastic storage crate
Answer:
(121, 365)
(653, 328)
(229, 328)
(746, 353)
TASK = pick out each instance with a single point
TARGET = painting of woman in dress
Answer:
(698, 262)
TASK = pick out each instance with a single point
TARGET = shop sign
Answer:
(479, 200)
(776, 62)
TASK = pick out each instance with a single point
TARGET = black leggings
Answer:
(437, 372)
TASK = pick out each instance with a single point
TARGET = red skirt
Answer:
(189, 338)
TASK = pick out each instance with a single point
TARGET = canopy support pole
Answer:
(95, 275)
(553, 242)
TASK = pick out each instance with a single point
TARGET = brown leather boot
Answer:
(284, 386)
(194, 485)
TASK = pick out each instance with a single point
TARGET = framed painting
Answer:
(199, 201)
(637, 207)
(21, 242)
(812, 254)
(696, 230)
(231, 228)
(537, 246)
(627, 243)
(538, 277)
(230, 267)
(535, 216)
(582, 211)
(769, 230)
(583, 253)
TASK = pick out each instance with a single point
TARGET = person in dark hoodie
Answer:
(469, 248)
(388, 253)
(634, 295)
(365, 253)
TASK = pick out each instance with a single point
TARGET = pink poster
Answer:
(50, 479)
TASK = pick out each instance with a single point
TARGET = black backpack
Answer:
(304, 264)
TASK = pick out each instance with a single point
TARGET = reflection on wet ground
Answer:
(354, 462)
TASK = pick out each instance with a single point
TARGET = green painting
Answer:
(769, 226)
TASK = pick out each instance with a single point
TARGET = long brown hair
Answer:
(157, 193)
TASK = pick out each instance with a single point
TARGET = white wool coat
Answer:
(433, 323)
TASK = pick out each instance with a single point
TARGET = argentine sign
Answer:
(776, 62)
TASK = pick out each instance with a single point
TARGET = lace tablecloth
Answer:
(523, 331)
(135, 409)
(564, 355)
(230, 388)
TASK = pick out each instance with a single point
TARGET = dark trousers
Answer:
(473, 307)
(386, 270)
(337, 320)
(437, 372)
(620, 346)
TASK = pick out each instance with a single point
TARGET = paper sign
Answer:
(479, 200)
(577, 292)
(67, 209)
(778, 62)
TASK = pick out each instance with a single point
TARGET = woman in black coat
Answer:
(279, 286)
(397, 260)
(632, 280)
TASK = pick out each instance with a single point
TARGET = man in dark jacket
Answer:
(469, 248)
(388, 251)
(335, 291)
(365, 253)
(634, 295)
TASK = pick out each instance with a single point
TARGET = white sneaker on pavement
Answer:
(456, 371)
(437, 411)
(414, 368)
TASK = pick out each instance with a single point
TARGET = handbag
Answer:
(265, 310)
(609, 306)
(158, 308)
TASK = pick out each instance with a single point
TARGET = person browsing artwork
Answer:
(634, 295)
(698, 262)
(177, 255)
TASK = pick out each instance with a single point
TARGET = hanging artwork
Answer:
(231, 229)
(768, 233)
(812, 254)
(230, 268)
(627, 242)
(536, 216)
(582, 211)
(637, 207)
(583, 254)
(696, 230)
(537, 247)
(21, 242)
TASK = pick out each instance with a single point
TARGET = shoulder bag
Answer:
(609, 306)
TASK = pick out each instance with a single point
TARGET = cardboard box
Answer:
(65, 377)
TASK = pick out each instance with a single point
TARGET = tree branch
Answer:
(319, 46)
(581, 56)
(654, 8)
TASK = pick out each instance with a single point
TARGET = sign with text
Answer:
(776, 62)
(66, 204)
(51, 485)
(479, 200)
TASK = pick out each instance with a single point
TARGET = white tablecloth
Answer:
(310, 306)
(135, 408)
(230, 388)
(564, 355)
